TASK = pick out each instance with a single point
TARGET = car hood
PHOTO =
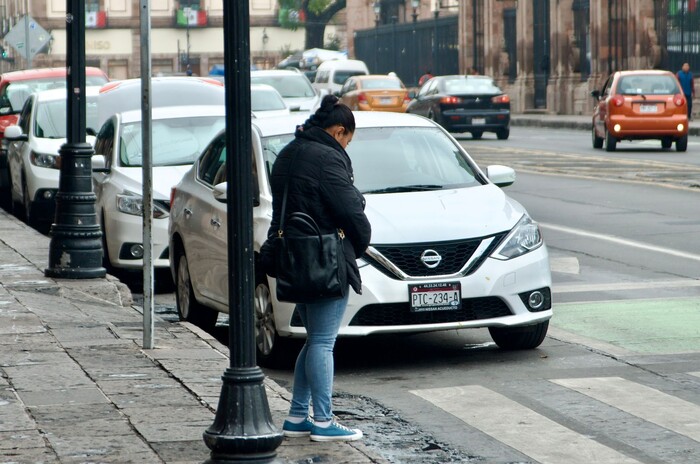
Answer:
(51, 146)
(164, 178)
(441, 215)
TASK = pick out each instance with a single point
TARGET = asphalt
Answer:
(566, 121)
(76, 385)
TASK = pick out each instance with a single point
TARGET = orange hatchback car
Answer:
(636, 105)
(375, 93)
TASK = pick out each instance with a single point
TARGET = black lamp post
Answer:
(415, 4)
(242, 430)
(75, 251)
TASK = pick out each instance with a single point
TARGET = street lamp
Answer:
(377, 6)
(415, 4)
(75, 251)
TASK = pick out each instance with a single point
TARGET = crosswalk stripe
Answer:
(519, 427)
(644, 402)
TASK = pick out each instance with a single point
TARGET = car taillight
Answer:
(450, 100)
(501, 99)
(362, 98)
(406, 100)
(618, 100)
(679, 99)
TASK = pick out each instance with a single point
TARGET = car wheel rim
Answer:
(183, 288)
(264, 320)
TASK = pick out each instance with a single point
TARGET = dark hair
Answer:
(331, 112)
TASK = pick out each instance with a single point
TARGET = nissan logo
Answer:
(430, 258)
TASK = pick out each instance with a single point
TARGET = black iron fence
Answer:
(678, 28)
(410, 49)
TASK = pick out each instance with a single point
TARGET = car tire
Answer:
(27, 206)
(106, 263)
(597, 141)
(682, 143)
(666, 143)
(519, 338)
(15, 204)
(503, 134)
(476, 135)
(610, 142)
(271, 349)
(188, 308)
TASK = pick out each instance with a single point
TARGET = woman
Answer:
(321, 185)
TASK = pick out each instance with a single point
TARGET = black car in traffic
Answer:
(464, 103)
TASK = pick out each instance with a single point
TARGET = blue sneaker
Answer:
(302, 429)
(334, 432)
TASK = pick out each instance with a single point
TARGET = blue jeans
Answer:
(313, 372)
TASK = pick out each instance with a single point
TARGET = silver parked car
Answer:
(449, 249)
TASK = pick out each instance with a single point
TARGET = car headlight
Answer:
(524, 238)
(44, 160)
(131, 203)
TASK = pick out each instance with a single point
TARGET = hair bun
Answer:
(328, 102)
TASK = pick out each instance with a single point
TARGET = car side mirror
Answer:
(14, 134)
(502, 176)
(596, 94)
(219, 192)
(99, 163)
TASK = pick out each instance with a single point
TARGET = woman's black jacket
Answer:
(321, 185)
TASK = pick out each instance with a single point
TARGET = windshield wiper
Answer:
(406, 188)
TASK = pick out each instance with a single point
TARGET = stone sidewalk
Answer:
(76, 386)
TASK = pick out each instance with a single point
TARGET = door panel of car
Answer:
(207, 249)
(16, 149)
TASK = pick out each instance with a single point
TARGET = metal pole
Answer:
(27, 46)
(242, 430)
(147, 175)
(75, 251)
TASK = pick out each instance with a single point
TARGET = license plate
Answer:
(647, 108)
(444, 296)
(385, 100)
(478, 120)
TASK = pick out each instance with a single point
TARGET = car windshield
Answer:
(397, 159)
(50, 121)
(651, 84)
(470, 85)
(374, 84)
(176, 141)
(289, 86)
(266, 100)
(16, 93)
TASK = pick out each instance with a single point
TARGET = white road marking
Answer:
(519, 427)
(644, 402)
(622, 241)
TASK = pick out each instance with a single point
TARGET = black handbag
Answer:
(308, 265)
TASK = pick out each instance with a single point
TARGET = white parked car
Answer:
(449, 249)
(295, 88)
(265, 101)
(179, 135)
(32, 152)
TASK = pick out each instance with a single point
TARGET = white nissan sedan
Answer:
(449, 249)
(178, 136)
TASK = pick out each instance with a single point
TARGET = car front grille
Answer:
(454, 254)
(473, 309)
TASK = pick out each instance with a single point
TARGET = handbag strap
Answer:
(280, 230)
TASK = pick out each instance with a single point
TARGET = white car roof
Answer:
(62, 93)
(287, 124)
(275, 72)
(169, 112)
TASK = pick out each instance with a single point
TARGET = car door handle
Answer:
(187, 211)
(215, 222)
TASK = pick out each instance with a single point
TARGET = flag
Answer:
(96, 19)
(191, 17)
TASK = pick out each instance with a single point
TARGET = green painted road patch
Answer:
(662, 326)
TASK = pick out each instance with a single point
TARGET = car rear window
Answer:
(341, 76)
(373, 84)
(470, 86)
(288, 86)
(16, 93)
(651, 84)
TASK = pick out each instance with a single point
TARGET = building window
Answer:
(511, 42)
(582, 37)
